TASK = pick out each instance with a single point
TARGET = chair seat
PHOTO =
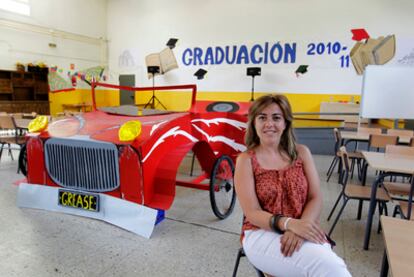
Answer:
(364, 192)
(353, 155)
(396, 188)
(404, 209)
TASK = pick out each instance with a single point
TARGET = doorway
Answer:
(127, 97)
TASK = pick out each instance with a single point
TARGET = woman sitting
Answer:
(278, 188)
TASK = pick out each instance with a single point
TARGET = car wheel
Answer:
(23, 160)
(222, 193)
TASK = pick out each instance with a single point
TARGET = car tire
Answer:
(222, 192)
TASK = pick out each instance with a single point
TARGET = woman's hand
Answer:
(307, 229)
(290, 242)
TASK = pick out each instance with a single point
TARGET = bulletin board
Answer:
(388, 92)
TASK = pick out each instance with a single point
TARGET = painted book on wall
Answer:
(373, 51)
(165, 60)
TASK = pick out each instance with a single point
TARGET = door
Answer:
(127, 97)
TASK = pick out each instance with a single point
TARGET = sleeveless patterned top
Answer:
(279, 191)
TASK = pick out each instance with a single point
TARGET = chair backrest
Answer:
(338, 138)
(400, 150)
(400, 132)
(336, 134)
(368, 130)
(345, 165)
(380, 141)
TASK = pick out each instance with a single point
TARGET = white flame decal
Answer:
(172, 132)
(239, 125)
(155, 126)
(230, 142)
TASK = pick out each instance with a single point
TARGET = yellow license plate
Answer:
(79, 200)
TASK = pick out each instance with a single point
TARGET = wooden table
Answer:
(361, 136)
(391, 165)
(399, 244)
(336, 107)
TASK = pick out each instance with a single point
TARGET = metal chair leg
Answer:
(10, 152)
(334, 207)
(395, 212)
(384, 265)
(359, 168)
(236, 265)
(337, 217)
(192, 164)
(331, 168)
(352, 168)
(259, 273)
(360, 204)
(380, 210)
(1, 150)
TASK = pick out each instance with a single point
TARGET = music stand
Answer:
(153, 70)
(253, 71)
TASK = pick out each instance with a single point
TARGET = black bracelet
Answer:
(274, 223)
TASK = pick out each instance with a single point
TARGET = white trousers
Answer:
(262, 248)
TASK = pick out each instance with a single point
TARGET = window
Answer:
(16, 6)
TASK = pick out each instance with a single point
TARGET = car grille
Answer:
(82, 164)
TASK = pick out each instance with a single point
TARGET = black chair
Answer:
(240, 254)
(236, 265)
(355, 156)
(354, 191)
(14, 134)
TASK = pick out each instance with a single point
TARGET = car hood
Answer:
(99, 125)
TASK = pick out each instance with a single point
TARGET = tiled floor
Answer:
(189, 242)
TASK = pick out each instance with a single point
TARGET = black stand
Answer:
(252, 96)
(253, 72)
(153, 70)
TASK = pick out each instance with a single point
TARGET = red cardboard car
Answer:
(79, 164)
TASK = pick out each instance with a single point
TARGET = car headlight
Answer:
(38, 124)
(129, 130)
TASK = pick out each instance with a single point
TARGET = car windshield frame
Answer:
(133, 110)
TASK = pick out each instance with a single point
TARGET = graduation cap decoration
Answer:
(200, 74)
(172, 42)
(359, 34)
(302, 69)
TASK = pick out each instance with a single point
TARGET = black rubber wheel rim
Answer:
(23, 160)
(222, 193)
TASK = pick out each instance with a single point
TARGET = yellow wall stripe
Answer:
(180, 100)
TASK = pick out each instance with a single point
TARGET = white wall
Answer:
(77, 27)
(142, 27)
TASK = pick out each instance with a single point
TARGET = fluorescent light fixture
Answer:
(15, 6)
